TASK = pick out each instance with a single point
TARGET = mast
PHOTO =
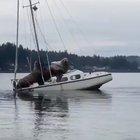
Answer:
(17, 42)
(36, 38)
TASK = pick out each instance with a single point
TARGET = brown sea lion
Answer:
(57, 69)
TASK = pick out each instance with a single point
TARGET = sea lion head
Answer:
(65, 64)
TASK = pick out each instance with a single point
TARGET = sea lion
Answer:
(56, 69)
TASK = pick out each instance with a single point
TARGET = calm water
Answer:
(110, 114)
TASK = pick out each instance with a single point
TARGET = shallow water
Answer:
(111, 113)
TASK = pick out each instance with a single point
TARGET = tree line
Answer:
(85, 63)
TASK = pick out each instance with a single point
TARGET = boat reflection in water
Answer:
(55, 101)
(55, 112)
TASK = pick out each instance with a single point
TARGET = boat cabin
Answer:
(71, 75)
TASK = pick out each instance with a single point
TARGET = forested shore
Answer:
(85, 63)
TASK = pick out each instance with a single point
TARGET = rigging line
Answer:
(17, 42)
(47, 55)
(36, 38)
(25, 34)
(29, 26)
(24, 25)
(42, 34)
(28, 19)
(30, 39)
(26, 28)
(31, 30)
(29, 59)
(48, 61)
(73, 37)
(44, 29)
(54, 21)
(77, 26)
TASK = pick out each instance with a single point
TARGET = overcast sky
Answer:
(102, 27)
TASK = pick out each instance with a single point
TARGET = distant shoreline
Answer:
(117, 64)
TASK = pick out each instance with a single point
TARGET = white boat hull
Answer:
(82, 84)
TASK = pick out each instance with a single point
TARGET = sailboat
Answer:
(57, 77)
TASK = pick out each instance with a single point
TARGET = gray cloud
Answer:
(110, 27)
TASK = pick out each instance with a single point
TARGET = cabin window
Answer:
(64, 79)
(74, 77)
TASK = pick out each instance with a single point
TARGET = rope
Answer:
(26, 42)
(47, 55)
(73, 37)
(36, 38)
(43, 27)
(31, 30)
(31, 37)
(77, 26)
(55, 24)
